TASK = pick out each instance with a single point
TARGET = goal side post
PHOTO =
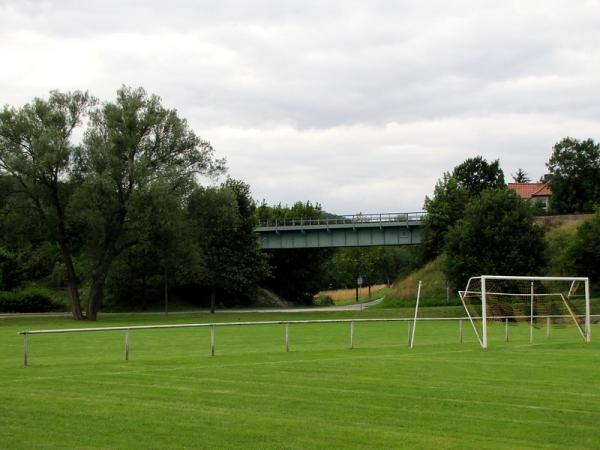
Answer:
(588, 323)
(484, 340)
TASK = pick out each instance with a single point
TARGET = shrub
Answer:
(28, 300)
(323, 300)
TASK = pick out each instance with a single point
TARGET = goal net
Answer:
(535, 301)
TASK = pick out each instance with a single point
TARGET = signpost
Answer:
(359, 282)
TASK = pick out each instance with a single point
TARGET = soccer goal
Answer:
(558, 300)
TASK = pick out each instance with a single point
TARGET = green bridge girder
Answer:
(343, 231)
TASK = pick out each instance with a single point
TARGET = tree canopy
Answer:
(224, 219)
(575, 176)
(496, 236)
(451, 195)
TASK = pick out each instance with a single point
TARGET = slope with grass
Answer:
(79, 393)
(434, 289)
(343, 297)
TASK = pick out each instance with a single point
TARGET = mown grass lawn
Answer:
(78, 391)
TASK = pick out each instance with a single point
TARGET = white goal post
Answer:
(493, 294)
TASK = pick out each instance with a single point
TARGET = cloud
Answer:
(359, 105)
(369, 169)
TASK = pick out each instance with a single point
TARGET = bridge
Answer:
(359, 230)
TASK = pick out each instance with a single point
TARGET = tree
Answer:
(584, 252)
(521, 177)
(224, 220)
(443, 210)
(297, 274)
(166, 253)
(496, 236)
(348, 264)
(475, 175)
(575, 176)
(37, 152)
(450, 197)
(131, 145)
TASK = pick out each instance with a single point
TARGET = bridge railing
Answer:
(346, 219)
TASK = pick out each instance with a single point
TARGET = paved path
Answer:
(353, 307)
(300, 309)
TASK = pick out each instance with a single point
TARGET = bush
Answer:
(323, 300)
(28, 300)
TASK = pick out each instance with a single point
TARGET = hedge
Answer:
(28, 300)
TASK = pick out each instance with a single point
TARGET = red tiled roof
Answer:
(528, 190)
(543, 192)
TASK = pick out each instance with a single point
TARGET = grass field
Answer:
(80, 393)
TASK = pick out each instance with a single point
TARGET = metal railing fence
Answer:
(286, 324)
(346, 219)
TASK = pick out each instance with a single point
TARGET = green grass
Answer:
(79, 392)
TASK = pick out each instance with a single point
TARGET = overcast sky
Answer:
(359, 105)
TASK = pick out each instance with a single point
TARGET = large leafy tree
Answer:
(90, 195)
(496, 236)
(451, 195)
(131, 144)
(575, 181)
(36, 151)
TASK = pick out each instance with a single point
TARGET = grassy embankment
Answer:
(80, 393)
(342, 297)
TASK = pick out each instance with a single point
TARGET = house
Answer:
(538, 193)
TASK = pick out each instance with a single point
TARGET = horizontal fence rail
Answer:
(285, 323)
(346, 219)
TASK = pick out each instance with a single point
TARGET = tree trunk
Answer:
(357, 293)
(213, 298)
(369, 291)
(99, 275)
(72, 284)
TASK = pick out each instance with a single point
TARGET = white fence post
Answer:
(287, 337)
(351, 335)
(126, 345)
(25, 349)
(212, 340)
(531, 317)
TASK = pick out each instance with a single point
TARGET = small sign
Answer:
(359, 280)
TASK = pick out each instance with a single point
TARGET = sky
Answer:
(360, 106)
